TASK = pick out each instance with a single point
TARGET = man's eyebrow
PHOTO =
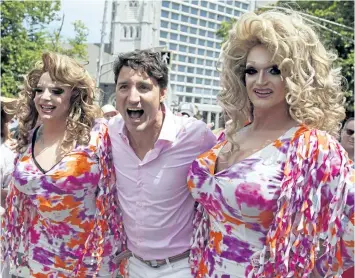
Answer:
(122, 82)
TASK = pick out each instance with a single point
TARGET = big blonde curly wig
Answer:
(82, 111)
(313, 88)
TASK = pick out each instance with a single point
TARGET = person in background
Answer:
(152, 151)
(276, 194)
(7, 154)
(62, 205)
(347, 137)
(109, 111)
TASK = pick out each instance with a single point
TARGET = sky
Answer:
(90, 12)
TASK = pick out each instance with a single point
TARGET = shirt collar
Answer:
(168, 130)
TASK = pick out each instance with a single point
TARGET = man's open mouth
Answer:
(135, 113)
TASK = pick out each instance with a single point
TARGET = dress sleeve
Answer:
(15, 225)
(313, 226)
(199, 238)
(107, 236)
(342, 172)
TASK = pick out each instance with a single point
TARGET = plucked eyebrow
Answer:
(268, 66)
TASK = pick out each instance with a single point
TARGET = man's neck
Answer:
(143, 141)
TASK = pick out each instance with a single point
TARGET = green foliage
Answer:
(25, 36)
(342, 44)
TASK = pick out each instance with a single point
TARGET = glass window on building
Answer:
(162, 43)
(181, 68)
(197, 100)
(198, 80)
(201, 42)
(174, 16)
(209, 53)
(212, 15)
(184, 18)
(230, 2)
(215, 92)
(208, 92)
(216, 54)
(212, 6)
(183, 39)
(188, 99)
(193, 30)
(229, 11)
(245, 6)
(183, 28)
(190, 70)
(216, 73)
(204, 4)
(173, 36)
(193, 20)
(164, 24)
(201, 52)
(173, 68)
(200, 61)
(174, 26)
(175, 6)
(194, 11)
(192, 40)
(180, 88)
(203, 23)
(181, 99)
(210, 44)
(181, 78)
(191, 60)
(198, 90)
(210, 34)
(192, 50)
(185, 9)
(194, 2)
(172, 77)
(203, 13)
(208, 72)
(211, 25)
(209, 63)
(166, 4)
(199, 71)
(189, 79)
(221, 8)
(207, 81)
(236, 13)
(237, 4)
(182, 58)
(182, 48)
(216, 83)
(202, 32)
(165, 14)
(163, 34)
(189, 89)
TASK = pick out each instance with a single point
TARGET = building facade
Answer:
(188, 30)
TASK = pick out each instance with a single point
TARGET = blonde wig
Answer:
(82, 112)
(313, 88)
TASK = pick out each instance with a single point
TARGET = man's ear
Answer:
(163, 93)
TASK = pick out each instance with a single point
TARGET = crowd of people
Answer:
(137, 191)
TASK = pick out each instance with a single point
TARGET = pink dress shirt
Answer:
(157, 206)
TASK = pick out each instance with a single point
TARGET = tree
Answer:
(24, 37)
(335, 37)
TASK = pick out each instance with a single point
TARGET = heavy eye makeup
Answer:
(55, 91)
(274, 70)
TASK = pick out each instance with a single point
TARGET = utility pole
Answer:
(102, 46)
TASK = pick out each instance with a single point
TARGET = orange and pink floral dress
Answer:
(281, 212)
(68, 217)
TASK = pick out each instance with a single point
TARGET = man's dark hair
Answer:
(144, 61)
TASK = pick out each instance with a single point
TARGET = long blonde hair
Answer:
(314, 88)
(82, 111)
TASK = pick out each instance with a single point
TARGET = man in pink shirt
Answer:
(152, 152)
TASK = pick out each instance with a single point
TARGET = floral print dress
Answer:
(239, 206)
(66, 217)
